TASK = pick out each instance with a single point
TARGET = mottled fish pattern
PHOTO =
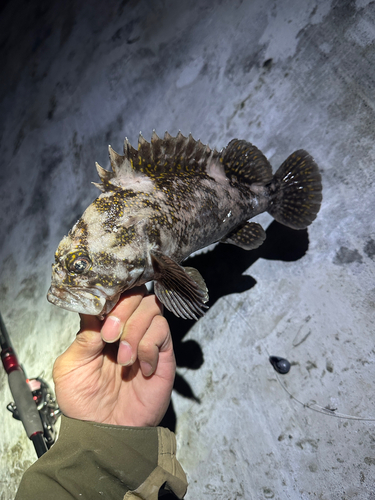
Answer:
(162, 202)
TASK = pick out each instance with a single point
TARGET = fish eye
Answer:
(80, 265)
(78, 262)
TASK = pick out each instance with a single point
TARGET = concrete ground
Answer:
(284, 75)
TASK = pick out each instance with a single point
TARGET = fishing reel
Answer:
(47, 407)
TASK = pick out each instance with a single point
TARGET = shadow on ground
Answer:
(222, 269)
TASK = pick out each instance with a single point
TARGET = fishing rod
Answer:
(34, 403)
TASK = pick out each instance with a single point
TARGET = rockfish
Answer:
(162, 202)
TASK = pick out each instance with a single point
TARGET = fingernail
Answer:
(124, 355)
(111, 329)
(146, 368)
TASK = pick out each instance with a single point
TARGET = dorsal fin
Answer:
(105, 177)
(245, 162)
(121, 167)
(129, 151)
(170, 155)
(114, 158)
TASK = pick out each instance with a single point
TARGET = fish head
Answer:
(95, 263)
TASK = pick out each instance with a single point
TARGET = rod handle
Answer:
(25, 403)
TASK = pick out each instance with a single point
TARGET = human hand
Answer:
(91, 381)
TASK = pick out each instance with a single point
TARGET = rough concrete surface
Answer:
(284, 75)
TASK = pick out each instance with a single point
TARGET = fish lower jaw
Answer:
(84, 301)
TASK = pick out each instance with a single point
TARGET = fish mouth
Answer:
(84, 301)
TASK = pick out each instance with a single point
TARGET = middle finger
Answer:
(136, 327)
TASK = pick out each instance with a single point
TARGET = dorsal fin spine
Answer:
(99, 186)
(115, 159)
(105, 175)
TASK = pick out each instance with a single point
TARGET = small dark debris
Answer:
(267, 63)
(281, 365)
(52, 107)
(329, 366)
(370, 249)
(328, 408)
(347, 256)
(310, 365)
(129, 41)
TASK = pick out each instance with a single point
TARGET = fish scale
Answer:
(165, 200)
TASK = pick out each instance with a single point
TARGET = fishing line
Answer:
(312, 405)
(318, 408)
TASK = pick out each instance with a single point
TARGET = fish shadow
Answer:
(223, 268)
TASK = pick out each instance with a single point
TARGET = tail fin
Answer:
(296, 191)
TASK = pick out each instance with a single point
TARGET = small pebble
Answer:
(281, 365)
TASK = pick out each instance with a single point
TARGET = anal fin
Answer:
(182, 290)
(249, 236)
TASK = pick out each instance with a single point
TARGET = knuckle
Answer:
(161, 324)
(147, 350)
(131, 328)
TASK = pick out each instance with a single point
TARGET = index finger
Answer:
(114, 323)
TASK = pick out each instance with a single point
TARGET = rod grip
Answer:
(25, 403)
(39, 444)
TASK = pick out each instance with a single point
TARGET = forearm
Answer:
(91, 460)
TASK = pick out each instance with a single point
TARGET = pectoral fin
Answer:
(249, 236)
(182, 290)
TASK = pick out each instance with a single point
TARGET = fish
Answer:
(162, 202)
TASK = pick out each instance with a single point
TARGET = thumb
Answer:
(87, 345)
(88, 341)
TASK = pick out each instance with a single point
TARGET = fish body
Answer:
(163, 202)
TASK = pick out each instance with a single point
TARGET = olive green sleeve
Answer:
(96, 461)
